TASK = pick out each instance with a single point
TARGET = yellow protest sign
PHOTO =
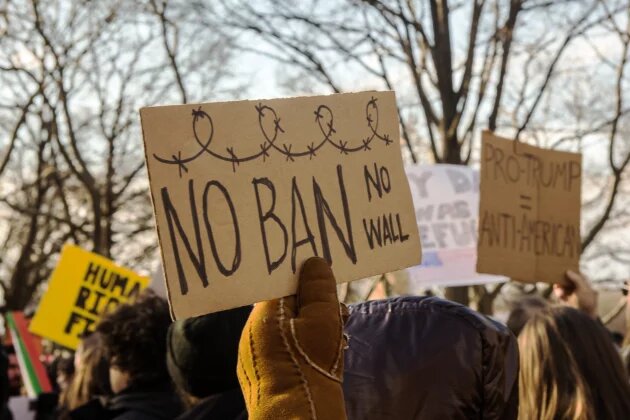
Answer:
(245, 191)
(83, 286)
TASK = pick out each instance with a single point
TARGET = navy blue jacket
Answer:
(428, 358)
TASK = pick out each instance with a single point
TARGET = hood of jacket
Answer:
(428, 358)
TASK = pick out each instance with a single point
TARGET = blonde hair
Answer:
(550, 383)
(91, 378)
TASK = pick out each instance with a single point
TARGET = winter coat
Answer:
(428, 358)
(156, 405)
(225, 406)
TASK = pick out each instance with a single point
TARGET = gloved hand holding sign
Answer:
(290, 363)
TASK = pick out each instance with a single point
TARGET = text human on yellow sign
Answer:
(82, 287)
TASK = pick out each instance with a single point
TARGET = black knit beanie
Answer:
(202, 351)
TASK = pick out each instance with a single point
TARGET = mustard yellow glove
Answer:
(290, 357)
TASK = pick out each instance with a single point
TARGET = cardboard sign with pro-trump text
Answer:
(529, 211)
(82, 287)
(245, 191)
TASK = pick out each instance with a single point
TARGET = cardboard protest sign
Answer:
(529, 211)
(446, 201)
(244, 192)
(83, 286)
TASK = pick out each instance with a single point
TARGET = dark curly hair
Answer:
(134, 336)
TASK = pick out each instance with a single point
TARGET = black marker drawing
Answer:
(525, 202)
(323, 117)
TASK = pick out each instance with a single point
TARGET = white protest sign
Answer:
(20, 408)
(446, 201)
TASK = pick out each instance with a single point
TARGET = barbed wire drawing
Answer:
(323, 117)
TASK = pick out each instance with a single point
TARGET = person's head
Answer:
(134, 336)
(203, 351)
(551, 385)
(91, 378)
(598, 360)
(13, 372)
(88, 342)
(4, 378)
(64, 371)
(523, 310)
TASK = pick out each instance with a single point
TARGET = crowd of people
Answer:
(310, 357)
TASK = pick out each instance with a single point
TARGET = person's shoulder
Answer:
(92, 410)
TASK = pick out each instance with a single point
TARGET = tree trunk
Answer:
(486, 304)
(452, 155)
(458, 294)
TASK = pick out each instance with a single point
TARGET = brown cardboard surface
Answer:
(245, 191)
(529, 211)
